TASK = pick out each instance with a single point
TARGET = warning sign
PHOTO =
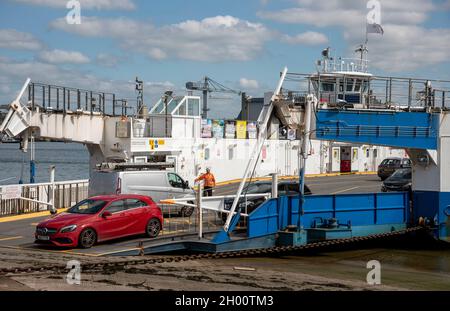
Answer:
(11, 192)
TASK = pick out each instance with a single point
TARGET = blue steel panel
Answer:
(397, 129)
(264, 220)
(389, 208)
(285, 215)
(358, 209)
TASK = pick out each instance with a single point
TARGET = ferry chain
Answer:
(278, 250)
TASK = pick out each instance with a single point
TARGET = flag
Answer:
(374, 28)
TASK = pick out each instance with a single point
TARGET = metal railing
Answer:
(176, 224)
(346, 65)
(213, 214)
(67, 193)
(66, 99)
(381, 91)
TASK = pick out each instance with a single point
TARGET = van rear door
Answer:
(103, 183)
(152, 184)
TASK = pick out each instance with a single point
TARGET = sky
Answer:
(241, 44)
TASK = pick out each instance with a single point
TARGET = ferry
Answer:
(175, 131)
(175, 134)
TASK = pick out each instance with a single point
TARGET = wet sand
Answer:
(405, 265)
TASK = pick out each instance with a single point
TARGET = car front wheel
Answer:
(87, 238)
(153, 228)
(187, 211)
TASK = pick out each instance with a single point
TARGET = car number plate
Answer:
(43, 237)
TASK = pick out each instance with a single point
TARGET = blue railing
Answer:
(396, 129)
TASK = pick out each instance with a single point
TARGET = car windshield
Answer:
(258, 188)
(88, 206)
(390, 162)
(401, 174)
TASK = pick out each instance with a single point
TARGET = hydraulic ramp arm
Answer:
(18, 117)
(263, 122)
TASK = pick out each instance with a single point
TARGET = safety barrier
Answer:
(67, 193)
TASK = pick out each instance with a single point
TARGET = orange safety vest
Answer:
(209, 179)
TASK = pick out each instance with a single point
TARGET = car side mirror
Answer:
(106, 214)
(186, 184)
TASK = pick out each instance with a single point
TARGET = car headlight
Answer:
(68, 229)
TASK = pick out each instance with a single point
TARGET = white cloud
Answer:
(38, 71)
(16, 40)
(350, 13)
(157, 53)
(318, 18)
(107, 60)
(405, 45)
(14, 73)
(306, 38)
(97, 27)
(248, 83)
(63, 57)
(446, 5)
(214, 39)
(85, 4)
(166, 85)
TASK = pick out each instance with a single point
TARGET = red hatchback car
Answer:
(101, 218)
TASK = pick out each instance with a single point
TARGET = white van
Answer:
(158, 184)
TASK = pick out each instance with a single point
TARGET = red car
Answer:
(101, 218)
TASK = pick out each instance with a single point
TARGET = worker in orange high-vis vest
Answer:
(209, 182)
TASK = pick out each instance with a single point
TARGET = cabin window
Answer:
(181, 110)
(172, 104)
(357, 85)
(350, 85)
(314, 84)
(193, 107)
(327, 87)
(365, 86)
(159, 106)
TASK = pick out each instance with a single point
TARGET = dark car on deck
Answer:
(390, 165)
(248, 205)
(399, 181)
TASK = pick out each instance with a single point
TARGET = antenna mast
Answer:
(140, 96)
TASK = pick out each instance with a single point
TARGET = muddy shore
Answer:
(345, 270)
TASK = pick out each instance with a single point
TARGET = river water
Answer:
(71, 161)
